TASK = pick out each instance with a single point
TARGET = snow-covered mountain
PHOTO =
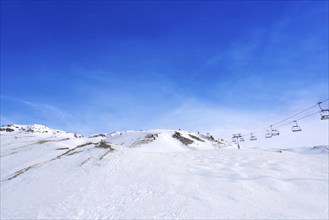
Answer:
(47, 173)
(35, 128)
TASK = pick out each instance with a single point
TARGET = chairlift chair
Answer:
(323, 112)
(296, 128)
(268, 134)
(241, 139)
(274, 131)
(252, 137)
(324, 115)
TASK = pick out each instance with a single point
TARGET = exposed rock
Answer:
(182, 139)
(196, 138)
(77, 135)
(153, 136)
(104, 144)
(97, 135)
(7, 129)
(146, 140)
(62, 148)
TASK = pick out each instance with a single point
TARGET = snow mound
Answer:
(309, 150)
(155, 174)
(164, 140)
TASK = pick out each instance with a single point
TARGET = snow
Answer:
(145, 178)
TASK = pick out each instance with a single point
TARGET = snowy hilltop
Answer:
(161, 174)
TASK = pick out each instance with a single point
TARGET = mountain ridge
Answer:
(161, 174)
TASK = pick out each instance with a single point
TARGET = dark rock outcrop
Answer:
(182, 139)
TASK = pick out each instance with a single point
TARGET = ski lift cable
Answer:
(302, 117)
(297, 120)
(298, 113)
(309, 115)
(263, 129)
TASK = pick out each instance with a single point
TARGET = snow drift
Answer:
(161, 174)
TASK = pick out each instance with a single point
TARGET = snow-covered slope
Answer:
(160, 174)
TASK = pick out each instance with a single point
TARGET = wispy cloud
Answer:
(26, 111)
(271, 62)
(44, 109)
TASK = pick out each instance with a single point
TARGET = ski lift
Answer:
(323, 112)
(274, 131)
(252, 137)
(296, 128)
(236, 138)
(241, 139)
(268, 134)
(233, 140)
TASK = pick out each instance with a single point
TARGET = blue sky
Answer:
(100, 66)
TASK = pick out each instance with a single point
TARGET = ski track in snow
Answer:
(155, 181)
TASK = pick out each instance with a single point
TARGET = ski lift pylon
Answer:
(236, 138)
(323, 112)
(296, 128)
